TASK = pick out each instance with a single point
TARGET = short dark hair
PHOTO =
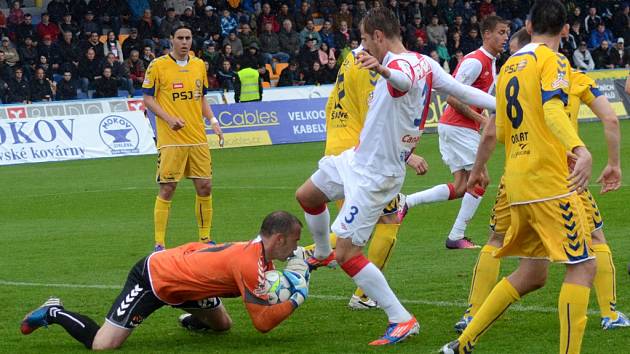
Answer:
(279, 221)
(491, 22)
(548, 17)
(522, 37)
(382, 19)
(174, 30)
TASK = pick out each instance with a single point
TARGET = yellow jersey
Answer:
(347, 105)
(180, 91)
(581, 89)
(536, 161)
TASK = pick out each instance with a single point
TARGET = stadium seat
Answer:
(122, 37)
(276, 75)
(103, 38)
(266, 84)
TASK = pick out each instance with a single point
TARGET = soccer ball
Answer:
(277, 287)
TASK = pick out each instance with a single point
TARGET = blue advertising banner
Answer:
(274, 122)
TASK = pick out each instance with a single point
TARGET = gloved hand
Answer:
(299, 286)
(297, 263)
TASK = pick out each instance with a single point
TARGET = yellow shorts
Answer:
(555, 229)
(391, 208)
(176, 162)
(593, 216)
(500, 218)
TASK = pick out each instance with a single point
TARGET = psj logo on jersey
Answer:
(119, 134)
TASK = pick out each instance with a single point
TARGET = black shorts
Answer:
(137, 300)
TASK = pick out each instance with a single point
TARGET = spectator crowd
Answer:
(77, 47)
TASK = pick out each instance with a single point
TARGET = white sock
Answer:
(319, 225)
(466, 212)
(374, 284)
(436, 194)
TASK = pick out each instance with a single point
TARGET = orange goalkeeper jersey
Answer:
(196, 271)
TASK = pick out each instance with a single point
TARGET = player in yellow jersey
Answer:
(346, 110)
(486, 271)
(548, 221)
(174, 88)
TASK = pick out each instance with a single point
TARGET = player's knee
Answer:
(388, 219)
(495, 239)
(101, 343)
(598, 237)
(167, 190)
(223, 325)
(204, 189)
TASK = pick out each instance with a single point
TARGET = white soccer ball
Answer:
(277, 287)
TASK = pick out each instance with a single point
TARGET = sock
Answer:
(604, 282)
(160, 218)
(80, 327)
(438, 193)
(484, 278)
(500, 298)
(371, 280)
(333, 243)
(318, 222)
(572, 306)
(381, 247)
(466, 212)
(203, 212)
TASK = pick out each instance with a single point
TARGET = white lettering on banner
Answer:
(248, 119)
(75, 137)
(308, 115)
(309, 129)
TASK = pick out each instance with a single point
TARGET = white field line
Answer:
(214, 187)
(517, 307)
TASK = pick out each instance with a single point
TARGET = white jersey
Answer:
(395, 119)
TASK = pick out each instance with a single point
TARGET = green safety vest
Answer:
(249, 84)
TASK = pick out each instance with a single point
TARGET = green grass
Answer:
(88, 222)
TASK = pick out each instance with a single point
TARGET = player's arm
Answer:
(445, 83)
(207, 112)
(628, 85)
(479, 175)
(610, 177)
(397, 74)
(149, 91)
(467, 74)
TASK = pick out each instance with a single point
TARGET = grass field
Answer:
(74, 229)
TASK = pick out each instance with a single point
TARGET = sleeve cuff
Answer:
(547, 95)
(149, 91)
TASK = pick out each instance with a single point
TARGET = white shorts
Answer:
(458, 146)
(365, 195)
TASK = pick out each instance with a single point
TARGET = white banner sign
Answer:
(75, 137)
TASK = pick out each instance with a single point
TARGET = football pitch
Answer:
(74, 229)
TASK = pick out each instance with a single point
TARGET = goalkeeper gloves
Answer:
(299, 286)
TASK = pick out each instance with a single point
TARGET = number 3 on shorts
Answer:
(353, 212)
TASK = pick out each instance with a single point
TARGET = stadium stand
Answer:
(56, 35)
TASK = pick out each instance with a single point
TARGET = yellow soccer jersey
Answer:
(536, 162)
(581, 89)
(347, 106)
(180, 91)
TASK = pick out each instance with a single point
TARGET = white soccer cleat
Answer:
(362, 303)
(620, 322)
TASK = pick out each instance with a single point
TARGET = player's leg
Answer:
(470, 202)
(605, 279)
(110, 337)
(487, 268)
(332, 237)
(573, 304)
(199, 169)
(170, 166)
(380, 249)
(205, 314)
(323, 186)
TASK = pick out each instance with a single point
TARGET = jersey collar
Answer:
(487, 53)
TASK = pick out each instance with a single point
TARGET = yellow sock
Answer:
(203, 212)
(333, 243)
(484, 278)
(604, 282)
(572, 306)
(500, 298)
(160, 219)
(381, 247)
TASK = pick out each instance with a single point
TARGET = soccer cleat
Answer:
(187, 321)
(453, 348)
(158, 248)
(621, 321)
(398, 332)
(464, 243)
(362, 303)
(37, 318)
(403, 208)
(314, 263)
(461, 325)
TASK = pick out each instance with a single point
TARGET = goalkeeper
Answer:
(192, 277)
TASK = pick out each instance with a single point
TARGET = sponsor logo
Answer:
(178, 85)
(16, 112)
(135, 105)
(247, 119)
(128, 300)
(119, 134)
(410, 139)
